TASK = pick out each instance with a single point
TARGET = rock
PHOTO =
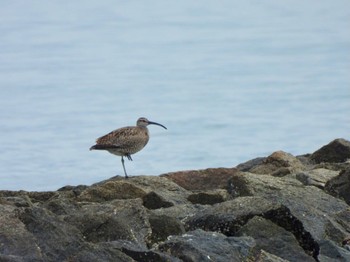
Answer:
(332, 166)
(246, 166)
(316, 177)
(283, 171)
(346, 243)
(307, 180)
(279, 208)
(310, 205)
(264, 256)
(278, 163)
(137, 253)
(168, 193)
(16, 242)
(74, 190)
(209, 197)
(18, 201)
(180, 212)
(163, 226)
(339, 186)
(163, 187)
(110, 190)
(336, 151)
(329, 251)
(199, 245)
(211, 178)
(229, 217)
(55, 239)
(153, 201)
(274, 239)
(116, 220)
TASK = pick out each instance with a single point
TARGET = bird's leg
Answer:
(129, 157)
(126, 175)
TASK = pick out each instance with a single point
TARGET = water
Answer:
(232, 80)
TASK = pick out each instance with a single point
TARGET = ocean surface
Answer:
(231, 80)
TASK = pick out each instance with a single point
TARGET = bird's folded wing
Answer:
(120, 137)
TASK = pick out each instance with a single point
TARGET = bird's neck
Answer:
(143, 128)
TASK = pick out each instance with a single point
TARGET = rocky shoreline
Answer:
(276, 208)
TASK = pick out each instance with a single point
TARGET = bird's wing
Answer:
(120, 137)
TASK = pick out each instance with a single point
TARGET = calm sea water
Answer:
(232, 80)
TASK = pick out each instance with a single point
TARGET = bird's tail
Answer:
(102, 147)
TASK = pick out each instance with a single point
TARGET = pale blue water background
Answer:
(232, 80)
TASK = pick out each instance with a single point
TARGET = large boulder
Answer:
(336, 151)
(207, 179)
(278, 163)
(274, 239)
(339, 186)
(199, 245)
(316, 209)
(231, 216)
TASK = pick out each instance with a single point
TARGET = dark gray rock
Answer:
(153, 201)
(16, 243)
(229, 218)
(264, 256)
(246, 166)
(163, 226)
(138, 253)
(55, 239)
(310, 205)
(209, 197)
(329, 251)
(199, 245)
(273, 239)
(116, 220)
(339, 186)
(335, 152)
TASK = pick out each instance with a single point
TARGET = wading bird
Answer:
(126, 141)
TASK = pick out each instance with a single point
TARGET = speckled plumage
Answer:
(126, 141)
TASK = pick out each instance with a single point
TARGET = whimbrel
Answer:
(126, 141)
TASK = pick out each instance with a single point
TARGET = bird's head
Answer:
(142, 121)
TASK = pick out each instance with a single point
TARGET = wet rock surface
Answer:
(275, 208)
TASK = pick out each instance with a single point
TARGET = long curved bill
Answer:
(157, 124)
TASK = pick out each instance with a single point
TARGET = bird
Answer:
(126, 141)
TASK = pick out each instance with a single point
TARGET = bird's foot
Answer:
(129, 157)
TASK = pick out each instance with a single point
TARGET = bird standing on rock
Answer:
(126, 141)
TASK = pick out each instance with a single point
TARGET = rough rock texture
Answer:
(199, 245)
(336, 151)
(275, 208)
(278, 164)
(274, 239)
(339, 186)
(211, 178)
